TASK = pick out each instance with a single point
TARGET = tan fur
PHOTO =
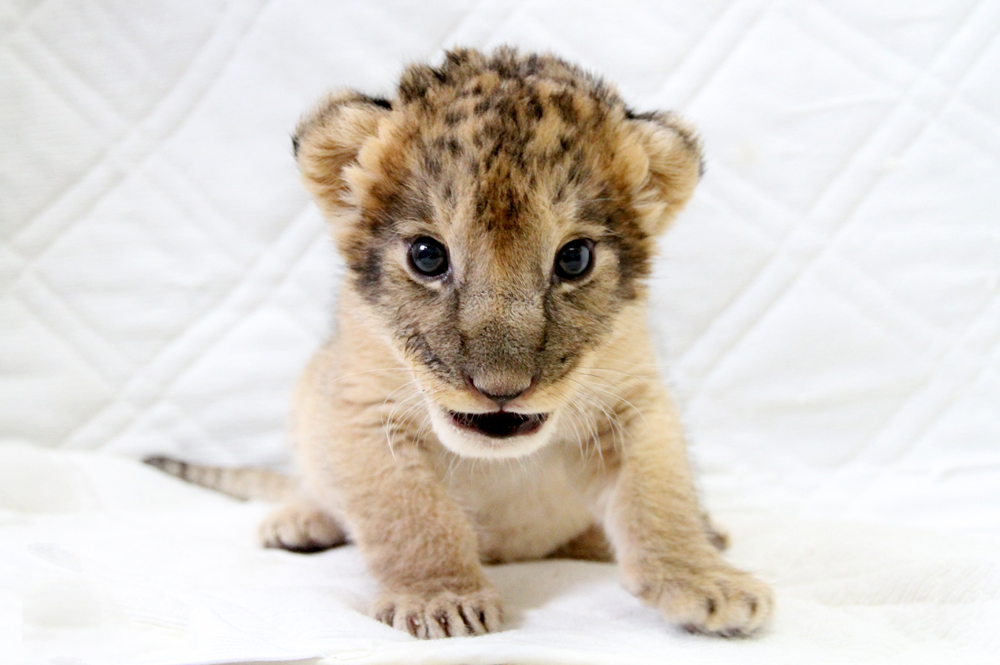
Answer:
(503, 159)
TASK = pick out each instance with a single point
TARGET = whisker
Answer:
(390, 422)
(617, 430)
(622, 399)
(588, 371)
(590, 421)
(371, 371)
(572, 412)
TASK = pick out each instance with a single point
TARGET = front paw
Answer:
(441, 614)
(714, 599)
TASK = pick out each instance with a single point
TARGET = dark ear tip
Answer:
(670, 120)
(328, 106)
(381, 102)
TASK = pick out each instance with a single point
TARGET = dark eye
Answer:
(428, 257)
(574, 259)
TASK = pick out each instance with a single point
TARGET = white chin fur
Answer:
(469, 444)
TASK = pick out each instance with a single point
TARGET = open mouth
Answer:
(500, 424)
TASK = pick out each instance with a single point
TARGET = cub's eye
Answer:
(428, 257)
(574, 259)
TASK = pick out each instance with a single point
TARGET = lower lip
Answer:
(504, 425)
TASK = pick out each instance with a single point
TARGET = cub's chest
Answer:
(520, 509)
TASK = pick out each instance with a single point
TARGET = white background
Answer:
(827, 310)
(828, 307)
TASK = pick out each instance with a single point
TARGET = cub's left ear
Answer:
(675, 166)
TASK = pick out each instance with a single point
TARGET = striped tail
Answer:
(241, 483)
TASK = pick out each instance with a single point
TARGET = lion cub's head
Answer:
(497, 216)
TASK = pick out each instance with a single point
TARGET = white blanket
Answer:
(828, 311)
(115, 563)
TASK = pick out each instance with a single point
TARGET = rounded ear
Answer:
(327, 141)
(675, 165)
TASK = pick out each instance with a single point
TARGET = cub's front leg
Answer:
(423, 552)
(665, 554)
(417, 543)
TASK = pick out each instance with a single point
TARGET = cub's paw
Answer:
(717, 600)
(443, 614)
(301, 527)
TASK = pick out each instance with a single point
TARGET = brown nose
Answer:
(497, 389)
(502, 399)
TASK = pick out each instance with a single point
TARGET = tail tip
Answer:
(166, 464)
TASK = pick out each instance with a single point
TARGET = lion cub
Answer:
(491, 394)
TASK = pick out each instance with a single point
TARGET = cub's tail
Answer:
(241, 483)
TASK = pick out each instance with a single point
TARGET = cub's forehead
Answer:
(496, 124)
(502, 152)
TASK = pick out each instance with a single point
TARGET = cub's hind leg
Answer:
(301, 526)
(591, 545)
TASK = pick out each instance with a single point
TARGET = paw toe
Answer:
(724, 602)
(445, 614)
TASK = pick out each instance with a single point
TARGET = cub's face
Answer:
(497, 216)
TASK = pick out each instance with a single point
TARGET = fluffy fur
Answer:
(503, 159)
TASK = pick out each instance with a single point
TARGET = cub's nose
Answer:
(502, 399)
(499, 389)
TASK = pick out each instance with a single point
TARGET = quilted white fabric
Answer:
(828, 311)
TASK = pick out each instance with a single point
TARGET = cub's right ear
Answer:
(328, 139)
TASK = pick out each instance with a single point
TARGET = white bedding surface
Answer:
(828, 312)
(124, 565)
